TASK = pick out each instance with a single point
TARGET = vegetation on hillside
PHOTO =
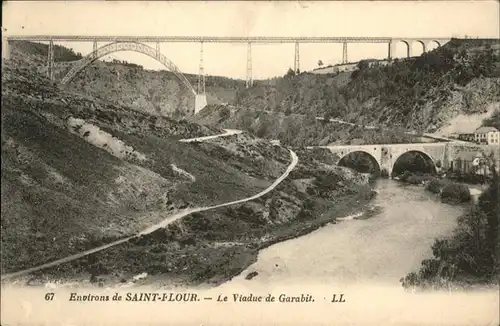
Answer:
(124, 83)
(291, 129)
(398, 93)
(78, 171)
(493, 121)
(471, 256)
(215, 245)
(420, 93)
(61, 53)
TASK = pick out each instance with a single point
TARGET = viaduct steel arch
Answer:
(126, 46)
(200, 98)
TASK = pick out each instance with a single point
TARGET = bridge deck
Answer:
(216, 39)
(409, 145)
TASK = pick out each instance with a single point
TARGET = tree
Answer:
(328, 115)
(320, 63)
(237, 97)
(224, 113)
(290, 73)
(363, 64)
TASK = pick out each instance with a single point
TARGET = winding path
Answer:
(426, 135)
(228, 132)
(169, 219)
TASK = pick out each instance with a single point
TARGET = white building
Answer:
(487, 135)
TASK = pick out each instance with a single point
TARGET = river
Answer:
(364, 260)
(361, 259)
(381, 249)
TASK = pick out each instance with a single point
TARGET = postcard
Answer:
(250, 163)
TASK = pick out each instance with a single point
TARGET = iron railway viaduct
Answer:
(104, 45)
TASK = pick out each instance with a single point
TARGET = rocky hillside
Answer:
(422, 93)
(463, 76)
(297, 130)
(215, 245)
(78, 171)
(457, 82)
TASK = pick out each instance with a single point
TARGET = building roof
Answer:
(484, 130)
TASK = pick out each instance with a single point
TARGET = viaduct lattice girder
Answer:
(218, 39)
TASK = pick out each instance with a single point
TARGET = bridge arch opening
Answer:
(402, 49)
(360, 161)
(432, 45)
(127, 46)
(418, 47)
(415, 162)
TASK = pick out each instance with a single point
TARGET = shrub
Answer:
(307, 211)
(224, 113)
(414, 179)
(455, 193)
(405, 175)
(434, 186)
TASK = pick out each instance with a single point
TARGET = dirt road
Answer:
(167, 220)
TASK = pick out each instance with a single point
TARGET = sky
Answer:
(246, 18)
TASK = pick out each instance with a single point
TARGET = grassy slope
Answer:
(295, 129)
(62, 194)
(215, 245)
(44, 203)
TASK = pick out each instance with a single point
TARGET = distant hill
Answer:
(421, 93)
(427, 93)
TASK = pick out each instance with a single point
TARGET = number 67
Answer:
(49, 296)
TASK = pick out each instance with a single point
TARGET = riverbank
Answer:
(449, 190)
(468, 259)
(210, 247)
(191, 262)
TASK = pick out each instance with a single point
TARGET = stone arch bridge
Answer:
(386, 155)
